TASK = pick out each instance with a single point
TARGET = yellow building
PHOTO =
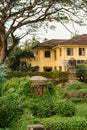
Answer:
(55, 54)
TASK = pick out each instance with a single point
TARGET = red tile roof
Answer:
(50, 44)
(78, 40)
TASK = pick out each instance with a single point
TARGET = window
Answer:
(47, 69)
(55, 67)
(81, 51)
(60, 52)
(47, 54)
(69, 51)
(60, 68)
(54, 55)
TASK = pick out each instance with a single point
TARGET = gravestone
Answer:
(38, 84)
(72, 69)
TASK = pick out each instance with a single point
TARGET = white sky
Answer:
(60, 32)
(63, 33)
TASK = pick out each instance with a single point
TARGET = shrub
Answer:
(58, 76)
(55, 74)
(14, 58)
(50, 88)
(74, 124)
(75, 91)
(81, 71)
(56, 123)
(8, 109)
(41, 107)
(4, 74)
(48, 106)
(11, 86)
(22, 86)
(75, 85)
(65, 108)
(26, 88)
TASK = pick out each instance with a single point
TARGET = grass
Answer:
(81, 109)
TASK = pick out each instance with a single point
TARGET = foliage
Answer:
(26, 88)
(74, 124)
(14, 58)
(81, 109)
(11, 86)
(50, 88)
(55, 74)
(26, 54)
(8, 109)
(75, 85)
(75, 91)
(29, 44)
(4, 74)
(41, 107)
(44, 106)
(49, 106)
(65, 108)
(22, 86)
(49, 109)
(14, 100)
(81, 71)
(61, 77)
(28, 68)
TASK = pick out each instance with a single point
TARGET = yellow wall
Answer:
(57, 63)
(65, 58)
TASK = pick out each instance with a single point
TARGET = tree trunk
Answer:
(3, 42)
(2, 55)
(3, 48)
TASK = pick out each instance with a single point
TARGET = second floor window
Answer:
(69, 51)
(81, 51)
(47, 54)
(60, 52)
(54, 55)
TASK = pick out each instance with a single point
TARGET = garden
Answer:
(62, 106)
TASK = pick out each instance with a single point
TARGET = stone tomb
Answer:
(38, 84)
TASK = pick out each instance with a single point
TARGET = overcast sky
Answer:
(60, 32)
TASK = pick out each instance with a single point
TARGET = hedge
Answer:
(73, 123)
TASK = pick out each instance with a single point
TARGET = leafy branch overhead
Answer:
(17, 14)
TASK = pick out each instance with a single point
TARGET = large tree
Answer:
(15, 14)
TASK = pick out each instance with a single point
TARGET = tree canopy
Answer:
(15, 14)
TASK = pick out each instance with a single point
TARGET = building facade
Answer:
(55, 54)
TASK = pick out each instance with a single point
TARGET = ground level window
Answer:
(60, 68)
(80, 61)
(55, 67)
(48, 69)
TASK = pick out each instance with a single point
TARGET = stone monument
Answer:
(38, 84)
(72, 69)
